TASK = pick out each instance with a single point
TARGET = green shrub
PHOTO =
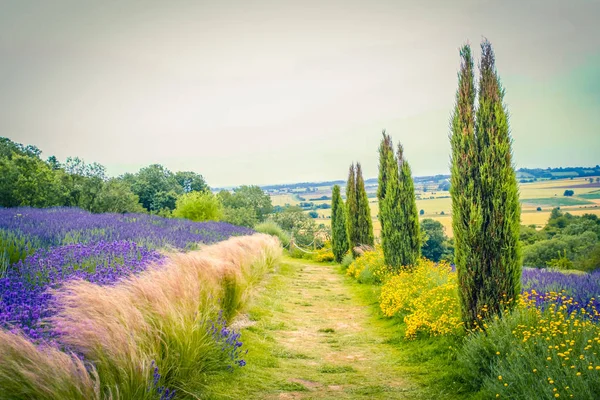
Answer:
(243, 216)
(198, 206)
(272, 228)
(370, 267)
(324, 254)
(347, 260)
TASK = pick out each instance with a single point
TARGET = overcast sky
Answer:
(257, 92)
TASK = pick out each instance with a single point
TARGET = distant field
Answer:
(591, 196)
(555, 202)
(544, 194)
(546, 189)
(540, 219)
(283, 199)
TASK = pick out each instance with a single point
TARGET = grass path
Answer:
(313, 334)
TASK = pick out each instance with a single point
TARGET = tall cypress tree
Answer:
(485, 201)
(465, 208)
(385, 148)
(351, 208)
(498, 190)
(400, 234)
(339, 234)
(391, 215)
(364, 222)
(412, 232)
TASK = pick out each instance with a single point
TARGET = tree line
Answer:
(28, 180)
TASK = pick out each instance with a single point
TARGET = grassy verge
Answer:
(317, 334)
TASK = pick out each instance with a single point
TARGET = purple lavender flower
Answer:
(583, 289)
(42, 248)
(24, 297)
(228, 340)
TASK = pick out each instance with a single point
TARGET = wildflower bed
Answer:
(547, 347)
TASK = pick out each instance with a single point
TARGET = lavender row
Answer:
(58, 226)
(25, 300)
(584, 289)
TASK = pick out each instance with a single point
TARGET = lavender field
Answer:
(40, 249)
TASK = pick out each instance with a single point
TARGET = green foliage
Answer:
(293, 220)
(575, 248)
(386, 148)
(351, 208)
(561, 262)
(115, 196)
(347, 260)
(249, 197)
(400, 233)
(485, 203)
(241, 216)
(566, 241)
(369, 268)
(156, 187)
(15, 247)
(436, 246)
(568, 193)
(530, 235)
(272, 228)
(313, 214)
(198, 206)
(339, 233)
(28, 181)
(364, 224)
(191, 181)
(533, 354)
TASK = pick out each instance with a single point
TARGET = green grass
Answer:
(335, 369)
(590, 196)
(342, 348)
(556, 202)
(327, 330)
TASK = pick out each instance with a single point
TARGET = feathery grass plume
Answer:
(352, 208)
(485, 204)
(164, 314)
(364, 227)
(400, 234)
(31, 372)
(339, 233)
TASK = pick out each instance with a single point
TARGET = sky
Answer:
(264, 92)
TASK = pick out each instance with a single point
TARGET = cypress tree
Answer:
(351, 208)
(391, 215)
(364, 227)
(485, 201)
(412, 231)
(385, 148)
(339, 234)
(465, 224)
(498, 190)
(400, 234)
